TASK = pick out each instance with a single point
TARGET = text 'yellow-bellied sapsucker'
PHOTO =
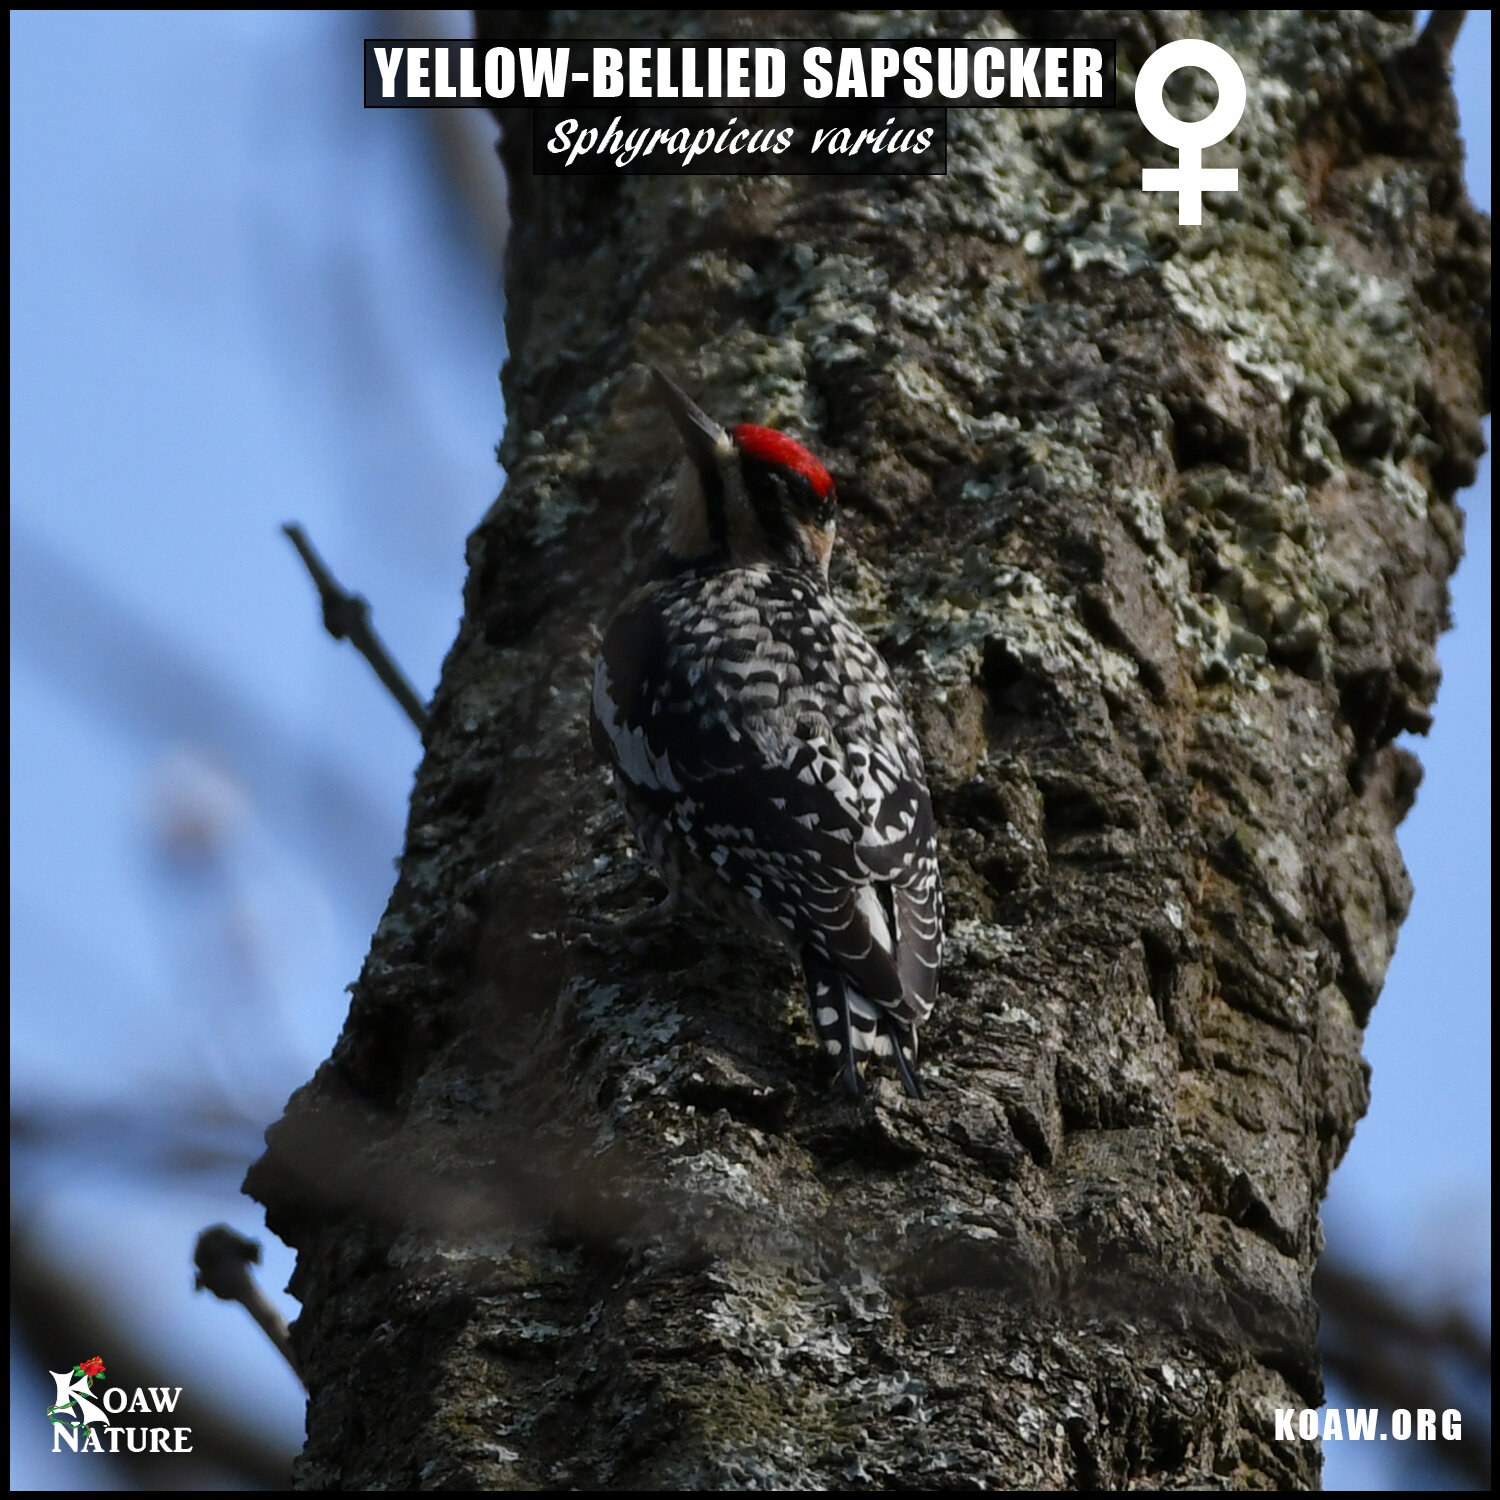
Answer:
(760, 747)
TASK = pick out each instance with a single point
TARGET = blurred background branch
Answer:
(1390, 1353)
(346, 616)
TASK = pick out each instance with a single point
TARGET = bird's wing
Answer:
(832, 836)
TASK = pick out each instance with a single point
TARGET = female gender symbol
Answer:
(1190, 177)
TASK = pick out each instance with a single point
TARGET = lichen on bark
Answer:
(1153, 524)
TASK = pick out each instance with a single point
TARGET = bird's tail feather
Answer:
(852, 1028)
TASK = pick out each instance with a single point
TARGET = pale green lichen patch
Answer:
(1120, 239)
(968, 938)
(713, 1178)
(640, 1022)
(790, 1398)
(780, 1324)
(549, 471)
(837, 308)
(1273, 593)
(1278, 866)
(1398, 482)
(1315, 446)
(1246, 307)
(1270, 551)
(982, 599)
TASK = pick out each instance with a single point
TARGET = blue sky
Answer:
(238, 298)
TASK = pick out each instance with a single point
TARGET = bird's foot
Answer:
(633, 927)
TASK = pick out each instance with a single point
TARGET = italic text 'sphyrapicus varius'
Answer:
(760, 746)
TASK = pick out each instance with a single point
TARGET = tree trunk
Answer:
(1153, 525)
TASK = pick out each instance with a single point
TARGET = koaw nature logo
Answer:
(73, 1404)
(82, 1418)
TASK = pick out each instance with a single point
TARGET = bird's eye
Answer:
(806, 499)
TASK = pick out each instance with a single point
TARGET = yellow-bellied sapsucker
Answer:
(760, 746)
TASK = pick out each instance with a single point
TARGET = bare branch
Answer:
(223, 1257)
(346, 616)
(1359, 1303)
(1441, 32)
(53, 1310)
(1395, 1355)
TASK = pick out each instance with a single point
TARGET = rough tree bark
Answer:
(1154, 526)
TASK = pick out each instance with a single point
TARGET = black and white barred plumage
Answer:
(760, 747)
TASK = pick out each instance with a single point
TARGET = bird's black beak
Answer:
(705, 441)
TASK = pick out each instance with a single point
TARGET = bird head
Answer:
(750, 495)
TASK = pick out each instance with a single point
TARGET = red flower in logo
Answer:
(92, 1367)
